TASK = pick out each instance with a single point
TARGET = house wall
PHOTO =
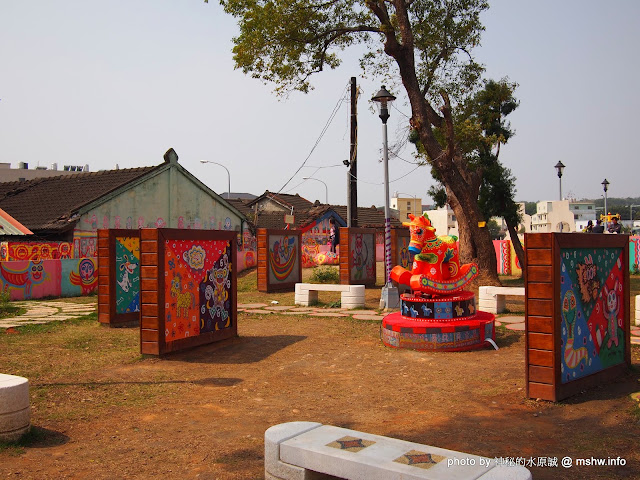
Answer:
(167, 200)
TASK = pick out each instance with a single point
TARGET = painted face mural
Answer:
(86, 277)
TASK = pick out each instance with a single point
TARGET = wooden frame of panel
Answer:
(107, 314)
(263, 235)
(346, 261)
(543, 315)
(152, 283)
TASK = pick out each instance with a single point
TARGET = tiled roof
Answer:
(48, 204)
(286, 200)
(367, 217)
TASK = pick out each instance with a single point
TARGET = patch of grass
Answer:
(325, 274)
(6, 309)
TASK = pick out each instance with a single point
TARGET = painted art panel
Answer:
(404, 258)
(197, 287)
(127, 288)
(363, 258)
(592, 307)
(283, 259)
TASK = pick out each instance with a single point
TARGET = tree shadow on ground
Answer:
(39, 437)
(237, 350)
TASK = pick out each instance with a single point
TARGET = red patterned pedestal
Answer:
(449, 324)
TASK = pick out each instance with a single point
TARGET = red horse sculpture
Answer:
(436, 268)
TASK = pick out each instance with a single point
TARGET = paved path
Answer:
(45, 311)
(39, 312)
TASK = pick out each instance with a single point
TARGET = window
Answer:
(409, 205)
(590, 207)
(408, 215)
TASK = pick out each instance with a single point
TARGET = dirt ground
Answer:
(202, 413)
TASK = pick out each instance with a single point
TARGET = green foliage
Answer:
(494, 230)
(286, 41)
(325, 274)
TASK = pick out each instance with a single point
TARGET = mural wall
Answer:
(358, 267)
(29, 279)
(591, 295)
(11, 251)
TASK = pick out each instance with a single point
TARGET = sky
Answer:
(119, 82)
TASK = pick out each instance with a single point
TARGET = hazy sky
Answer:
(121, 81)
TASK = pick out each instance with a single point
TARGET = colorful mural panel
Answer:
(363, 258)
(15, 251)
(283, 259)
(404, 258)
(197, 288)
(127, 288)
(591, 295)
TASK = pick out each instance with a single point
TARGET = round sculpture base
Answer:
(442, 336)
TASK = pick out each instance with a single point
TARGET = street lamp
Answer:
(326, 189)
(605, 185)
(560, 168)
(228, 175)
(389, 298)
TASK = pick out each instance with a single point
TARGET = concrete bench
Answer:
(492, 298)
(352, 296)
(637, 310)
(312, 451)
(15, 418)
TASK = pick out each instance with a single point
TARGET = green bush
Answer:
(325, 274)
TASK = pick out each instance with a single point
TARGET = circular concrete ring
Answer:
(15, 418)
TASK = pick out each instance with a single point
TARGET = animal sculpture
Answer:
(436, 268)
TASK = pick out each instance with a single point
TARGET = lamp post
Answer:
(326, 189)
(605, 186)
(389, 297)
(560, 168)
(228, 175)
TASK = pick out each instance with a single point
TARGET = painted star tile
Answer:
(351, 444)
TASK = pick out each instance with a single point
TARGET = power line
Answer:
(324, 130)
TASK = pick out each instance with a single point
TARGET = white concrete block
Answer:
(14, 407)
(273, 437)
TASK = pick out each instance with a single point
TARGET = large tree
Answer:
(426, 44)
(482, 127)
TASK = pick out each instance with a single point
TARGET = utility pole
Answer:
(352, 178)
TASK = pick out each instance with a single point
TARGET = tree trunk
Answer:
(517, 245)
(475, 242)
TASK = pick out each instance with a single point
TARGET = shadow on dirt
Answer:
(39, 437)
(237, 350)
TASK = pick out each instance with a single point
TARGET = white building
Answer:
(444, 221)
(582, 213)
(562, 216)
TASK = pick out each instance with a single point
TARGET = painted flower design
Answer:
(195, 257)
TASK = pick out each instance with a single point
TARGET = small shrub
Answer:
(325, 274)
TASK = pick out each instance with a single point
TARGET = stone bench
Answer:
(312, 451)
(492, 298)
(15, 418)
(352, 296)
